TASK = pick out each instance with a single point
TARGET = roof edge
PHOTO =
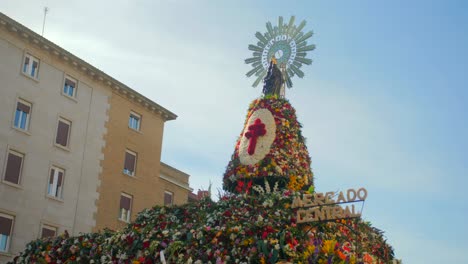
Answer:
(84, 66)
(174, 169)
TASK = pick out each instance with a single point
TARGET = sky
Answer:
(383, 105)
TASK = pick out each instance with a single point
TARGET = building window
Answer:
(134, 121)
(55, 186)
(31, 66)
(13, 167)
(125, 207)
(6, 226)
(69, 87)
(22, 113)
(48, 231)
(63, 132)
(168, 198)
(130, 163)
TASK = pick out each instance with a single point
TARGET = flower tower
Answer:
(271, 158)
(270, 149)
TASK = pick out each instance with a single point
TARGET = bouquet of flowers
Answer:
(239, 228)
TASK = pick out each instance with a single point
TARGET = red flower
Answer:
(249, 185)
(146, 244)
(129, 240)
(240, 186)
(227, 213)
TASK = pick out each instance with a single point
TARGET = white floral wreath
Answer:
(264, 142)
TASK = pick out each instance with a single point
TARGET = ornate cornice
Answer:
(93, 72)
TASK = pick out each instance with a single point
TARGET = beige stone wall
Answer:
(175, 174)
(99, 136)
(144, 186)
(29, 202)
(180, 194)
(175, 181)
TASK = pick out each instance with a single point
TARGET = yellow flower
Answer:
(309, 250)
(247, 241)
(328, 246)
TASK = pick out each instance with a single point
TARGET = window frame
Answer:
(172, 198)
(28, 117)
(9, 237)
(128, 213)
(136, 116)
(20, 173)
(69, 123)
(55, 182)
(75, 88)
(125, 170)
(50, 228)
(27, 70)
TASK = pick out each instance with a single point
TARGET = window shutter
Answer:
(51, 179)
(167, 198)
(60, 178)
(5, 226)
(62, 134)
(46, 232)
(22, 107)
(125, 202)
(69, 83)
(129, 162)
(13, 168)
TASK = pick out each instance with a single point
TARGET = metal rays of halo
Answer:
(292, 31)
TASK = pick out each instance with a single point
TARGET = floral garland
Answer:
(236, 229)
(86, 248)
(288, 160)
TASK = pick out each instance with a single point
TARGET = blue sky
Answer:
(383, 105)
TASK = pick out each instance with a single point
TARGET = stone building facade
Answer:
(79, 150)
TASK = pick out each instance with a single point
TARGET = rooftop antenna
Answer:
(46, 9)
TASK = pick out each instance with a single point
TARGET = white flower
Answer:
(267, 187)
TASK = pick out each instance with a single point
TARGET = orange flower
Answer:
(367, 258)
(341, 255)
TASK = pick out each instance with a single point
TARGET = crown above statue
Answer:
(283, 47)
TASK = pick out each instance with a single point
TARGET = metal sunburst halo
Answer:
(287, 43)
